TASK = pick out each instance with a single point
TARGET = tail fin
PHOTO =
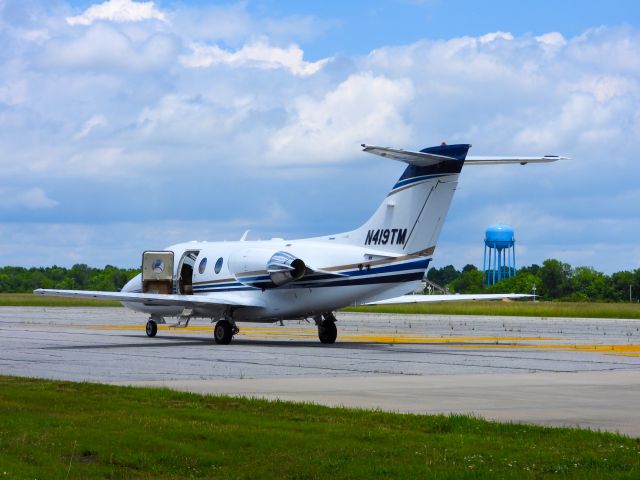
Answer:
(410, 218)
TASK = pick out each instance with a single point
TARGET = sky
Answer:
(129, 125)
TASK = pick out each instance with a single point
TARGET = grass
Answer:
(519, 308)
(31, 300)
(52, 429)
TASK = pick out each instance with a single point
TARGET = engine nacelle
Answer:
(263, 268)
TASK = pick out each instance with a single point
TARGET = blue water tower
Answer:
(499, 253)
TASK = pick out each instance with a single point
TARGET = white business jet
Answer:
(275, 280)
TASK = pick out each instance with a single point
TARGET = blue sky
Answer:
(130, 125)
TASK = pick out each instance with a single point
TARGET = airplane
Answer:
(277, 279)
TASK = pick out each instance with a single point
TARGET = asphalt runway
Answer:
(576, 372)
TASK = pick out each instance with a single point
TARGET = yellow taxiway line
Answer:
(469, 342)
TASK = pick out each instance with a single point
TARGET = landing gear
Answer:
(152, 324)
(152, 328)
(224, 331)
(327, 331)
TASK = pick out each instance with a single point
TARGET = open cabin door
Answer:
(185, 272)
(157, 272)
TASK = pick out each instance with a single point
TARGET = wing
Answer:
(187, 301)
(447, 298)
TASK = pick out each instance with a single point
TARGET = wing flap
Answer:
(447, 298)
(156, 298)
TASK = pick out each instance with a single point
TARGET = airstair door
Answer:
(157, 272)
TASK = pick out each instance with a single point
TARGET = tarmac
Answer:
(547, 371)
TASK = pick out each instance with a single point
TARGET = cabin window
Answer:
(218, 266)
(203, 265)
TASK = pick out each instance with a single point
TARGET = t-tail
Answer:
(409, 220)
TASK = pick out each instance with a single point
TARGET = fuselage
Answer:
(338, 274)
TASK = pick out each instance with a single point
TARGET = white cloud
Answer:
(363, 109)
(96, 121)
(493, 36)
(257, 55)
(104, 47)
(552, 39)
(118, 11)
(31, 198)
(228, 102)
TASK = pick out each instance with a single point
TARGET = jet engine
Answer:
(264, 268)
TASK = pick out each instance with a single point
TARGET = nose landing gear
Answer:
(152, 325)
(152, 328)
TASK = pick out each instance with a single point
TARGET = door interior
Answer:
(185, 272)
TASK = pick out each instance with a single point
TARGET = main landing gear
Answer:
(327, 331)
(224, 331)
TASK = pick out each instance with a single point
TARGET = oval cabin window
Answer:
(218, 266)
(203, 265)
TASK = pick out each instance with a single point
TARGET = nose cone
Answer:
(134, 285)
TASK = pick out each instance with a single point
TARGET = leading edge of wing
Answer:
(447, 298)
(156, 298)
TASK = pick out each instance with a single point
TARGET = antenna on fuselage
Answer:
(244, 236)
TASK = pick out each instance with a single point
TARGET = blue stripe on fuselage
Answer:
(409, 181)
(353, 277)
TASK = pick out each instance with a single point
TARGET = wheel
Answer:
(327, 332)
(152, 328)
(223, 332)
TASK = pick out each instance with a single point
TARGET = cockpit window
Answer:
(203, 265)
(218, 266)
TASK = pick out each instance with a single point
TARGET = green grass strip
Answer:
(31, 300)
(519, 309)
(52, 429)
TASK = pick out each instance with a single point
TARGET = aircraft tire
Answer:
(223, 332)
(152, 328)
(327, 332)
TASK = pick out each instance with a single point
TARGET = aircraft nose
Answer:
(133, 285)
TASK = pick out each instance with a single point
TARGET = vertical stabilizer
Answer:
(410, 218)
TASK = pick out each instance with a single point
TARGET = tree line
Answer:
(553, 280)
(78, 277)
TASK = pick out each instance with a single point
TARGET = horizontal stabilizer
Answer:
(447, 298)
(423, 159)
(420, 159)
(186, 301)
(471, 160)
